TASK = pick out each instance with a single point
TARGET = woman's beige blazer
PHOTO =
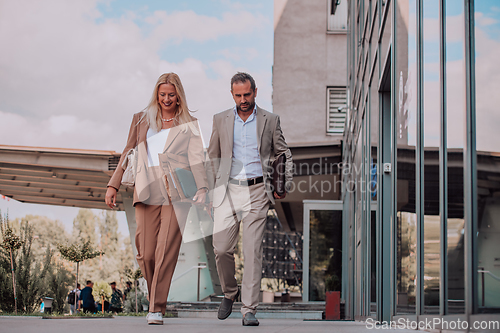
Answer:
(181, 141)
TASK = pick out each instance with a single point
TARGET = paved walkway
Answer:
(181, 325)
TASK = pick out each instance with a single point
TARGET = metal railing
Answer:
(201, 265)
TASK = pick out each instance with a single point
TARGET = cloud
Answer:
(178, 26)
(454, 29)
(483, 20)
(235, 5)
(210, 95)
(70, 77)
(487, 87)
(238, 53)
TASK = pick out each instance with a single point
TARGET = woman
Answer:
(163, 132)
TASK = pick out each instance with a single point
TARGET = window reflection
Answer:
(432, 136)
(455, 85)
(487, 40)
(406, 133)
(325, 253)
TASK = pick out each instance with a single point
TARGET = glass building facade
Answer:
(421, 160)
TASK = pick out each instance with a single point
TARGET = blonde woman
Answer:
(164, 130)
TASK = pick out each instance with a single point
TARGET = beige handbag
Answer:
(130, 166)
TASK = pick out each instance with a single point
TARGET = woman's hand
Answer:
(200, 196)
(111, 197)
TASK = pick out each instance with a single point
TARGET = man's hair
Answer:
(113, 283)
(89, 282)
(242, 77)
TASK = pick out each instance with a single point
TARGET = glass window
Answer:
(487, 40)
(455, 129)
(406, 133)
(325, 253)
(337, 15)
(432, 137)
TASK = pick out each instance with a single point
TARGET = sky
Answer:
(487, 46)
(73, 73)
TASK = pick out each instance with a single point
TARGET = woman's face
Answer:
(167, 98)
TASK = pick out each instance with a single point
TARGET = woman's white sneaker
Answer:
(154, 318)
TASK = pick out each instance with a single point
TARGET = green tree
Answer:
(110, 237)
(78, 252)
(46, 233)
(84, 226)
(10, 242)
(126, 257)
(58, 282)
(109, 242)
(134, 275)
(30, 273)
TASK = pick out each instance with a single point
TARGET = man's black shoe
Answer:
(226, 307)
(250, 320)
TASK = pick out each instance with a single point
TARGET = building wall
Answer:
(307, 60)
(428, 249)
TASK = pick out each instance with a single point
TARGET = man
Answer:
(116, 303)
(86, 298)
(127, 289)
(73, 298)
(245, 141)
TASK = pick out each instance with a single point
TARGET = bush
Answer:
(57, 286)
(130, 301)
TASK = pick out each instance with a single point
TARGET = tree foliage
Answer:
(58, 282)
(101, 289)
(39, 270)
(30, 274)
(78, 251)
(10, 241)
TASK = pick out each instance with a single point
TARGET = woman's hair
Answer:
(152, 112)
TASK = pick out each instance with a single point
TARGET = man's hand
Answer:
(276, 196)
(110, 198)
(200, 196)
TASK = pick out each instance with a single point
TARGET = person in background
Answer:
(127, 290)
(116, 303)
(86, 298)
(74, 306)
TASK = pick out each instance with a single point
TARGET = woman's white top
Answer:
(156, 143)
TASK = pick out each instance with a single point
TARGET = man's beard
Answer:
(250, 108)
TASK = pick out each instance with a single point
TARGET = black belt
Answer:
(247, 182)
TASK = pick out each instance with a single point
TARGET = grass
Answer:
(22, 314)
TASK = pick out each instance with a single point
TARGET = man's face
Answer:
(113, 286)
(244, 96)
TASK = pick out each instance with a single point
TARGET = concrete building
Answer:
(309, 94)
(418, 176)
(419, 229)
(310, 70)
